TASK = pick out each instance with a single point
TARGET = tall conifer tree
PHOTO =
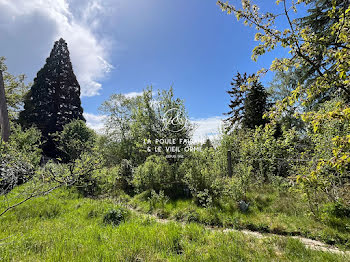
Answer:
(236, 113)
(247, 106)
(54, 98)
(255, 106)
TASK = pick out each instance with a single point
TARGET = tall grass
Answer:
(64, 227)
(270, 210)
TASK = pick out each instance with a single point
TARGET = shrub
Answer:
(74, 140)
(26, 144)
(81, 174)
(105, 178)
(84, 170)
(114, 179)
(259, 151)
(155, 174)
(157, 200)
(188, 214)
(19, 158)
(324, 178)
(113, 149)
(205, 176)
(116, 216)
(124, 179)
(338, 210)
(242, 180)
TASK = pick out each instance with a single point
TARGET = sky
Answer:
(123, 46)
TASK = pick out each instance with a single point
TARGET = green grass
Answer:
(271, 211)
(64, 227)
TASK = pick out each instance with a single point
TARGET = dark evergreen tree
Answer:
(237, 101)
(207, 144)
(255, 105)
(54, 98)
(318, 17)
(247, 105)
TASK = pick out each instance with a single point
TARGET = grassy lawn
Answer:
(66, 227)
(272, 211)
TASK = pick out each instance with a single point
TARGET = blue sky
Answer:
(120, 46)
(191, 45)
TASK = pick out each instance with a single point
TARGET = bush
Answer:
(82, 174)
(19, 158)
(205, 176)
(26, 144)
(84, 170)
(157, 200)
(115, 180)
(155, 174)
(338, 210)
(116, 216)
(124, 179)
(324, 178)
(13, 172)
(242, 180)
(106, 178)
(260, 150)
(188, 214)
(74, 140)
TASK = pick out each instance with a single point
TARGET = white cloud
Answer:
(29, 28)
(95, 122)
(136, 94)
(133, 94)
(207, 128)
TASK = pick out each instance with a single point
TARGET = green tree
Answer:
(321, 18)
(255, 106)
(54, 99)
(281, 87)
(323, 47)
(134, 126)
(118, 142)
(331, 68)
(247, 105)
(236, 105)
(161, 117)
(74, 140)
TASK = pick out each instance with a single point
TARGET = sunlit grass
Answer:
(64, 227)
(270, 211)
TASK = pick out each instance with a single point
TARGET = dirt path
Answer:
(309, 243)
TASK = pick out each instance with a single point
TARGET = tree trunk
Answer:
(4, 118)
